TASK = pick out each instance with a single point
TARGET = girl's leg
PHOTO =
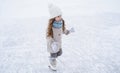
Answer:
(53, 61)
(59, 53)
(53, 55)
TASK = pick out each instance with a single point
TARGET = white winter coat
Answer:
(57, 37)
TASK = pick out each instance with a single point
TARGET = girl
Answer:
(56, 27)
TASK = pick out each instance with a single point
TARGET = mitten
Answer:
(72, 30)
(54, 46)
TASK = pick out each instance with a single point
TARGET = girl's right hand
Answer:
(54, 46)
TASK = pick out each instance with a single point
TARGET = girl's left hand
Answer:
(72, 30)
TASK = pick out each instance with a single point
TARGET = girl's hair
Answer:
(49, 28)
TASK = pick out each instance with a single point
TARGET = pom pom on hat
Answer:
(54, 11)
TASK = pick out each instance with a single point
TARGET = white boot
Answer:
(53, 63)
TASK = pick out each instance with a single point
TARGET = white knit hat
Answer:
(54, 11)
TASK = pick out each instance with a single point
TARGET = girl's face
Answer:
(58, 18)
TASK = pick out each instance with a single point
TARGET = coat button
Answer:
(59, 34)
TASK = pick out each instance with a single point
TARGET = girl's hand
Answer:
(71, 30)
(54, 46)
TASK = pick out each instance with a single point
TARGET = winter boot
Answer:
(52, 64)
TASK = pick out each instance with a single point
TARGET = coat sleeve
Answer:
(66, 32)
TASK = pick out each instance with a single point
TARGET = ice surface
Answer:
(93, 48)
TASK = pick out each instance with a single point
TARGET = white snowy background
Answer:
(93, 48)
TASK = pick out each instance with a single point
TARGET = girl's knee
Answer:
(53, 55)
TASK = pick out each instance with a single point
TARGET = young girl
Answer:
(56, 27)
